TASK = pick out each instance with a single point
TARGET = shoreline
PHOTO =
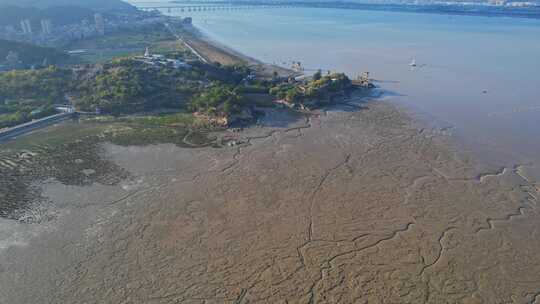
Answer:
(213, 51)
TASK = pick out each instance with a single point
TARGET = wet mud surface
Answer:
(356, 205)
(72, 154)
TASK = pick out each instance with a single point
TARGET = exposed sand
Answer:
(214, 52)
(353, 206)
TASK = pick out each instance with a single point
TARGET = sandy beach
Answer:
(213, 51)
(358, 203)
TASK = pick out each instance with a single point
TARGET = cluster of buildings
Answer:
(11, 61)
(27, 29)
(45, 33)
(160, 60)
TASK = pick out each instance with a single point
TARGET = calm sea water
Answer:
(480, 75)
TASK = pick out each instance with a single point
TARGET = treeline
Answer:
(129, 86)
(49, 84)
(31, 54)
(320, 88)
(218, 99)
(30, 94)
(61, 15)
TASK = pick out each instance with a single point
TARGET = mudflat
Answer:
(357, 204)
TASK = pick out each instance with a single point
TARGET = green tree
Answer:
(317, 75)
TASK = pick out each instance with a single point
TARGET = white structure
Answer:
(23, 27)
(26, 26)
(12, 58)
(157, 59)
(149, 56)
(10, 29)
(100, 24)
(64, 108)
(46, 26)
(178, 64)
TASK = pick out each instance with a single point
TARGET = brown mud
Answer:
(355, 205)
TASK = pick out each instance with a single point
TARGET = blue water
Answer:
(478, 74)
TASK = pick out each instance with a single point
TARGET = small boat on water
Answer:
(413, 63)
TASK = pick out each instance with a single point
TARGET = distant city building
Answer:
(100, 24)
(26, 26)
(9, 32)
(187, 21)
(9, 29)
(157, 60)
(64, 108)
(46, 26)
(23, 26)
(12, 58)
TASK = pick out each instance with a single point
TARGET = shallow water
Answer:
(477, 74)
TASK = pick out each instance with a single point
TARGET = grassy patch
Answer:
(177, 119)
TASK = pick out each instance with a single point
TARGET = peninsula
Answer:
(220, 87)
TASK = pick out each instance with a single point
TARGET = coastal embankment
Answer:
(10, 133)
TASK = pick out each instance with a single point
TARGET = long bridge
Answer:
(208, 7)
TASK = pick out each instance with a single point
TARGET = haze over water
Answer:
(477, 74)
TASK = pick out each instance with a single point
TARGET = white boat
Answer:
(413, 63)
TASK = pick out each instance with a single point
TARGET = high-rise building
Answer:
(12, 58)
(100, 24)
(26, 26)
(23, 26)
(46, 26)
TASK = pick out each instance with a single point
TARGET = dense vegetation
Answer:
(320, 88)
(217, 99)
(48, 84)
(26, 95)
(128, 86)
(31, 54)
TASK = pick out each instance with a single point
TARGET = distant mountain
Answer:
(97, 5)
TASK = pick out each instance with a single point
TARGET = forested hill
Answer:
(62, 15)
(61, 11)
(96, 5)
(31, 54)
